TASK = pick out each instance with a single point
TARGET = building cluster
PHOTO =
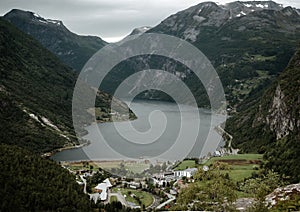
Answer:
(163, 179)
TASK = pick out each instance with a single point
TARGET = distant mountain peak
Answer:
(262, 4)
(211, 14)
(73, 49)
(140, 30)
(31, 16)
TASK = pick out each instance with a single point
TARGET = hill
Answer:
(74, 50)
(36, 94)
(31, 183)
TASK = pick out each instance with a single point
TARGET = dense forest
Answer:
(36, 116)
(36, 91)
(31, 183)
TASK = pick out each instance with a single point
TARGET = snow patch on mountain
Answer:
(42, 21)
(54, 21)
(45, 21)
(37, 15)
(241, 14)
(248, 5)
(261, 6)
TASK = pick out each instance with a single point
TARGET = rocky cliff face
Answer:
(279, 117)
(274, 116)
(281, 114)
(72, 49)
(280, 196)
(271, 124)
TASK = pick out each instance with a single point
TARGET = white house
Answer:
(102, 189)
(159, 181)
(217, 153)
(185, 173)
(134, 185)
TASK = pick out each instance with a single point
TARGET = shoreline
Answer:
(67, 147)
(88, 142)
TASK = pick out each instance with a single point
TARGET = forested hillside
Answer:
(36, 94)
(271, 124)
(36, 116)
(31, 183)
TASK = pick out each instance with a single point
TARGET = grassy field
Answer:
(113, 199)
(235, 157)
(135, 167)
(145, 197)
(241, 165)
(185, 164)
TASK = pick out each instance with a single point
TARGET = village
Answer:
(155, 188)
(144, 186)
(136, 184)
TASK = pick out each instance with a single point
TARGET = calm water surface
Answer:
(155, 134)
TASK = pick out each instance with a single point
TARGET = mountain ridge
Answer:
(72, 49)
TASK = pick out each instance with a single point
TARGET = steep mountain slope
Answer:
(31, 183)
(272, 117)
(36, 94)
(72, 49)
(247, 42)
(272, 124)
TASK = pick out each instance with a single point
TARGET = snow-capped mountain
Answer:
(188, 23)
(72, 49)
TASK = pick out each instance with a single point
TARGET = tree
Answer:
(262, 186)
(212, 190)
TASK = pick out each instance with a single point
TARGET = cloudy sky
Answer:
(109, 19)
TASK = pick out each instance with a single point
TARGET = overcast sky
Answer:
(109, 19)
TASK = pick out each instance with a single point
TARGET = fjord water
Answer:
(158, 127)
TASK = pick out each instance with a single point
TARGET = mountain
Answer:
(140, 30)
(271, 124)
(31, 183)
(74, 50)
(36, 91)
(248, 43)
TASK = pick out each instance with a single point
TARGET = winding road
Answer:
(120, 198)
(171, 199)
